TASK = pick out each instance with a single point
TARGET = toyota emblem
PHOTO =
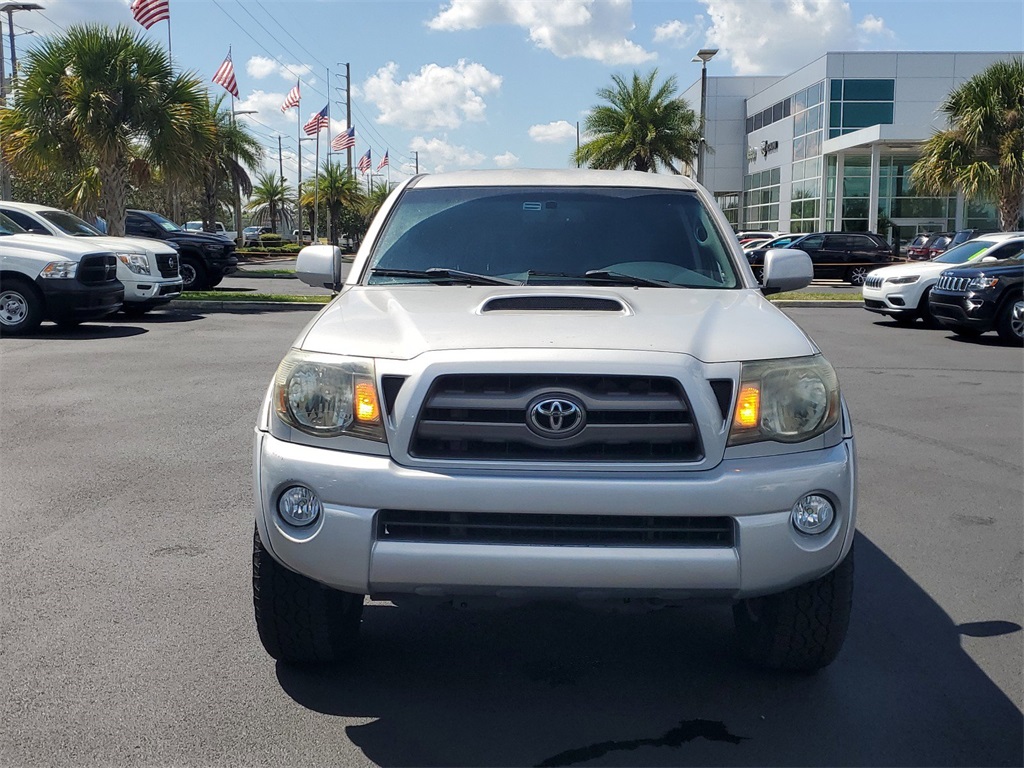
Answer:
(556, 416)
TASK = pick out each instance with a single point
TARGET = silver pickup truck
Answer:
(557, 385)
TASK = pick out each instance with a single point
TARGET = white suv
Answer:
(148, 268)
(554, 384)
(901, 290)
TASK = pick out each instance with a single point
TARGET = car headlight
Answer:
(785, 400)
(60, 270)
(904, 280)
(213, 247)
(981, 283)
(328, 395)
(136, 262)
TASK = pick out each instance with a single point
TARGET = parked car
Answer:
(901, 291)
(977, 298)
(554, 383)
(963, 235)
(65, 281)
(782, 241)
(197, 226)
(845, 256)
(305, 237)
(148, 268)
(204, 258)
(928, 245)
(251, 235)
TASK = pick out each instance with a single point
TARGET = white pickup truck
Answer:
(554, 385)
(197, 226)
(65, 281)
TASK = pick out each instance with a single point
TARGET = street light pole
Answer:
(704, 55)
(298, 192)
(5, 175)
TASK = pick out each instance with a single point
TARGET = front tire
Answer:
(299, 620)
(856, 275)
(801, 629)
(925, 311)
(193, 274)
(21, 307)
(1010, 325)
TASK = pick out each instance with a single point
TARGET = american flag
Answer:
(384, 161)
(318, 122)
(292, 99)
(364, 162)
(344, 140)
(149, 12)
(225, 76)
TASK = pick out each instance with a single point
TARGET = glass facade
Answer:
(761, 199)
(729, 202)
(858, 103)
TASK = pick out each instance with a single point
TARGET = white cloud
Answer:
(259, 67)
(773, 36)
(874, 25)
(678, 33)
(552, 133)
(439, 156)
(589, 29)
(506, 160)
(436, 97)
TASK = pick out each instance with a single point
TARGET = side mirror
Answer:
(319, 266)
(786, 269)
(38, 231)
(983, 259)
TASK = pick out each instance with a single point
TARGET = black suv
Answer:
(974, 299)
(845, 256)
(204, 258)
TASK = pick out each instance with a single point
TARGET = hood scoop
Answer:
(554, 303)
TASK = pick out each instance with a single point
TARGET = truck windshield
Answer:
(8, 227)
(70, 224)
(554, 236)
(166, 224)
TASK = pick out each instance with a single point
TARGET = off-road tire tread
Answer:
(299, 620)
(803, 628)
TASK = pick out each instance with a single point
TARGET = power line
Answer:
(285, 30)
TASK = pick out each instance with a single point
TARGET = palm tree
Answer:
(339, 189)
(640, 128)
(982, 152)
(228, 151)
(271, 198)
(103, 97)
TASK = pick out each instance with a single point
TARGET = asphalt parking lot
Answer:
(126, 636)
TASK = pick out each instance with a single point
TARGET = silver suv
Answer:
(554, 384)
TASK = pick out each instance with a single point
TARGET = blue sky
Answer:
(502, 83)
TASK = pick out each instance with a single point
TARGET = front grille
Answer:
(871, 281)
(627, 419)
(167, 263)
(951, 283)
(553, 530)
(97, 269)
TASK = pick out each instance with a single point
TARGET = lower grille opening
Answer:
(554, 530)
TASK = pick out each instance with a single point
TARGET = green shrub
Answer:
(271, 240)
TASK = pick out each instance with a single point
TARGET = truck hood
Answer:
(401, 322)
(134, 244)
(923, 268)
(68, 249)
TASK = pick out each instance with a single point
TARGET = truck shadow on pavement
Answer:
(551, 686)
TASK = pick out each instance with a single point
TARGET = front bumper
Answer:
(72, 300)
(892, 301)
(971, 310)
(151, 292)
(342, 551)
(221, 265)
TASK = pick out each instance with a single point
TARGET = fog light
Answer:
(299, 506)
(813, 514)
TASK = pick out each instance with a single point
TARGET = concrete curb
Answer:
(294, 306)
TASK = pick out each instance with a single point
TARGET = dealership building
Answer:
(830, 146)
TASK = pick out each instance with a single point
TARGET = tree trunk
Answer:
(114, 178)
(1009, 206)
(209, 202)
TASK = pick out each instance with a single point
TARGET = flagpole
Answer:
(316, 191)
(168, 29)
(298, 143)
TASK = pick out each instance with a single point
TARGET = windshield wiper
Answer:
(624, 279)
(445, 275)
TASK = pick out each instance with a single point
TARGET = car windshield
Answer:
(964, 252)
(166, 224)
(552, 236)
(8, 227)
(70, 224)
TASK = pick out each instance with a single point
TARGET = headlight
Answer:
(981, 283)
(785, 400)
(60, 270)
(213, 247)
(136, 262)
(328, 395)
(906, 279)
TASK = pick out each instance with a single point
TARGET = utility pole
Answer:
(348, 110)
(5, 175)
(417, 156)
(280, 159)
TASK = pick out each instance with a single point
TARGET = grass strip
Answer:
(809, 296)
(243, 296)
(264, 272)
